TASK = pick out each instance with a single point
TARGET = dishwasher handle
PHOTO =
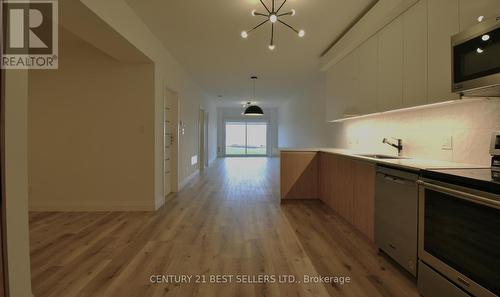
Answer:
(395, 179)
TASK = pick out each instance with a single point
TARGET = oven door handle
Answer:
(462, 195)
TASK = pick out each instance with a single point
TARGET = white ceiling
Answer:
(204, 36)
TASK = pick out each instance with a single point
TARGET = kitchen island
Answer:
(344, 179)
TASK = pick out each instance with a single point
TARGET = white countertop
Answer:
(410, 163)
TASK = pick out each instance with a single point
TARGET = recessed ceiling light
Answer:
(485, 37)
(479, 50)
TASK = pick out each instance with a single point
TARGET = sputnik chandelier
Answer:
(273, 16)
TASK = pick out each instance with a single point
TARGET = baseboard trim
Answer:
(188, 179)
(116, 206)
(159, 202)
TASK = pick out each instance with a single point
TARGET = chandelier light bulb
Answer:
(253, 12)
(273, 18)
(293, 12)
(302, 33)
(244, 34)
(480, 18)
(272, 47)
(479, 50)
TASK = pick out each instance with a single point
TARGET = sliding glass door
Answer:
(236, 138)
(246, 138)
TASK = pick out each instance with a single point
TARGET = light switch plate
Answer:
(447, 143)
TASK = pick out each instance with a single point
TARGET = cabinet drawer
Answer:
(433, 284)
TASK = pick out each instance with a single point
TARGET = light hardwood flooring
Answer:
(229, 221)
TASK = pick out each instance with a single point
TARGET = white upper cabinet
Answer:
(368, 76)
(342, 88)
(350, 84)
(407, 63)
(470, 10)
(443, 23)
(390, 66)
(415, 55)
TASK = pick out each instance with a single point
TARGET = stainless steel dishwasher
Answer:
(396, 215)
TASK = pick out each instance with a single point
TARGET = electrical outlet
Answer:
(447, 143)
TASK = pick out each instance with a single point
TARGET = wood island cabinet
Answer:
(342, 187)
(299, 175)
(364, 198)
(344, 184)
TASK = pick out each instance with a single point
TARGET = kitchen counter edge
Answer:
(413, 164)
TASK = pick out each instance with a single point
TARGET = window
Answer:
(246, 138)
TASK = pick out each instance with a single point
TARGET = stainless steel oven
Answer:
(476, 60)
(459, 235)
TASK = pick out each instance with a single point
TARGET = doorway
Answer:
(244, 138)
(170, 142)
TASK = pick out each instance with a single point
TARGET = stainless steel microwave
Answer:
(476, 60)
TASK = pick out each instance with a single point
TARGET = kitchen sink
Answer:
(387, 157)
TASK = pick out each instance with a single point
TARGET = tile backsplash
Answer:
(426, 133)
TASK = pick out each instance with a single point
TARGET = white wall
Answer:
(229, 113)
(470, 123)
(91, 132)
(16, 182)
(302, 119)
(168, 74)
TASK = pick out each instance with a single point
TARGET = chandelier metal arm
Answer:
(272, 6)
(285, 13)
(260, 24)
(272, 33)
(265, 6)
(261, 14)
(280, 6)
(296, 31)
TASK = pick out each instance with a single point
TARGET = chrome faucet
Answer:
(399, 146)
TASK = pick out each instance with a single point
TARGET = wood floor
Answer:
(226, 222)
